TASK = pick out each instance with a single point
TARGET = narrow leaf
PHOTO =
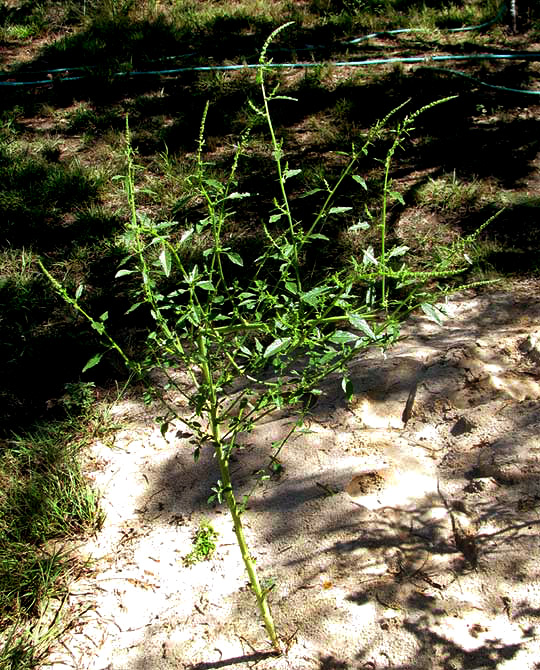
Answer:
(360, 180)
(237, 196)
(343, 337)
(93, 361)
(186, 235)
(276, 347)
(432, 312)
(397, 196)
(133, 307)
(291, 173)
(347, 387)
(339, 210)
(361, 225)
(165, 261)
(314, 297)
(292, 287)
(122, 273)
(234, 257)
(206, 285)
(312, 192)
(369, 258)
(215, 184)
(397, 251)
(79, 291)
(357, 322)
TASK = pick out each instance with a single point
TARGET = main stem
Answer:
(230, 499)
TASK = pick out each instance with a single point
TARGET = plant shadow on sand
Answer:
(436, 566)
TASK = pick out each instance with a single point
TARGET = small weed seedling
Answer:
(204, 544)
(253, 339)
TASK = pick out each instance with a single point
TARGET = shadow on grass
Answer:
(51, 209)
(54, 209)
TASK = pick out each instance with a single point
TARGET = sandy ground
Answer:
(402, 532)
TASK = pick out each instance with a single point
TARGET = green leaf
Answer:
(96, 325)
(287, 250)
(79, 291)
(205, 284)
(312, 192)
(369, 258)
(93, 361)
(104, 316)
(314, 296)
(433, 313)
(343, 337)
(292, 287)
(133, 307)
(397, 251)
(357, 322)
(275, 217)
(237, 196)
(122, 273)
(193, 317)
(339, 210)
(397, 195)
(360, 180)
(347, 387)
(291, 173)
(186, 235)
(165, 261)
(215, 184)
(361, 225)
(276, 346)
(234, 257)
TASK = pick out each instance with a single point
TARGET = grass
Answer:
(45, 501)
(61, 146)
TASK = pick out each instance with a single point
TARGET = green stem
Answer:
(96, 324)
(382, 259)
(230, 499)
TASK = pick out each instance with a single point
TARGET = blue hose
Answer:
(523, 55)
(384, 33)
(359, 63)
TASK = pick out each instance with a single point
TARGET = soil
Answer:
(402, 532)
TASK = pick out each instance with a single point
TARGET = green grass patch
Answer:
(44, 497)
(45, 502)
